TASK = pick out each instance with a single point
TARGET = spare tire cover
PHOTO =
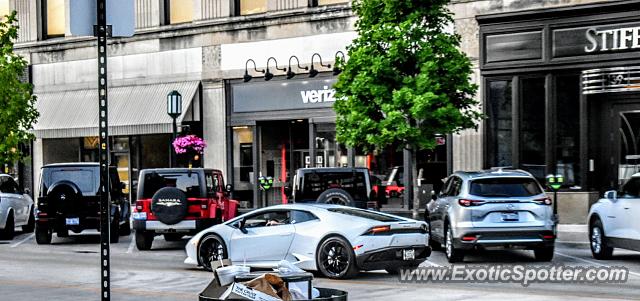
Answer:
(66, 196)
(169, 204)
(336, 196)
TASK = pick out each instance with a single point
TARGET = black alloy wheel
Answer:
(211, 249)
(336, 259)
(600, 249)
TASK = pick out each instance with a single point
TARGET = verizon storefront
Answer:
(273, 127)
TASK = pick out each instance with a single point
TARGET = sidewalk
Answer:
(573, 233)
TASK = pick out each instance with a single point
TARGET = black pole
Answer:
(555, 202)
(173, 151)
(101, 31)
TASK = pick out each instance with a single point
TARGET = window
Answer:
(187, 182)
(54, 18)
(631, 189)
(567, 145)
(499, 124)
(505, 187)
(315, 183)
(178, 11)
(456, 186)
(214, 182)
(446, 187)
(532, 126)
(250, 7)
(298, 216)
(329, 2)
(87, 179)
(4, 8)
(271, 218)
(8, 185)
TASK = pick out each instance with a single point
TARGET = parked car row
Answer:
(329, 227)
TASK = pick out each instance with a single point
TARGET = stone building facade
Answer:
(202, 49)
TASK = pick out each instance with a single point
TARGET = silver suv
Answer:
(496, 208)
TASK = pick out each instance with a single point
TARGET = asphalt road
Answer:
(69, 270)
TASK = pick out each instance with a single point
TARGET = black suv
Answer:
(70, 200)
(335, 185)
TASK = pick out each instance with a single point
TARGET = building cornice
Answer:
(229, 24)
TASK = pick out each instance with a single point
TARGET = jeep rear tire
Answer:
(144, 240)
(170, 205)
(43, 234)
(336, 196)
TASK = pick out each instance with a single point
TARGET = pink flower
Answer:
(189, 143)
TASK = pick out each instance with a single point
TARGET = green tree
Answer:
(406, 79)
(17, 102)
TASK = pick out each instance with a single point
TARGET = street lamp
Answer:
(174, 109)
(313, 72)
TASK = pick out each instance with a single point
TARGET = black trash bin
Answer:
(214, 291)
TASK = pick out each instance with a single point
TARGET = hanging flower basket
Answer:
(189, 144)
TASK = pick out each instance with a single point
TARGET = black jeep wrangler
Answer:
(335, 185)
(70, 200)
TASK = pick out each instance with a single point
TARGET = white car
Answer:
(16, 208)
(335, 240)
(614, 220)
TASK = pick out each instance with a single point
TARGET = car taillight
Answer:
(469, 203)
(378, 229)
(469, 238)
(543, 201)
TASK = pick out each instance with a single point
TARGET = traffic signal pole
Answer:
(101, 31)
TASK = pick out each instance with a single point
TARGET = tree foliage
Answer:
(406, 79)
(17, 102)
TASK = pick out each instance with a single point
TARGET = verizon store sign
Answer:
(261, 96)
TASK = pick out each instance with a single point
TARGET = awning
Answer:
(133, 110)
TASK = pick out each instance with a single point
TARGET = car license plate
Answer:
(408, 254)
(510, 216)
(139, 215)
(73, 221)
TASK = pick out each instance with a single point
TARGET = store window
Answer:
(243, 165)
(499, 123)
(532, 126)
(250, 7)
(243, 153)
(178, 11)
(567, 144)
(155, 151)
(326, 147)
(4, 8)
(54, 18)
(329, 2)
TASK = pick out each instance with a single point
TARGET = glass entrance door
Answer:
(615, 150)
(628, 145)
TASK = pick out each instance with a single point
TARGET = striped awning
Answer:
(133, 110)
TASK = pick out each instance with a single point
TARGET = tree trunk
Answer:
(407, 198)
(410, 168)
(414, 182)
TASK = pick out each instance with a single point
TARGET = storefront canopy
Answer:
(133, 110)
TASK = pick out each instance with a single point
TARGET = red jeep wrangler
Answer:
(179, 201)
